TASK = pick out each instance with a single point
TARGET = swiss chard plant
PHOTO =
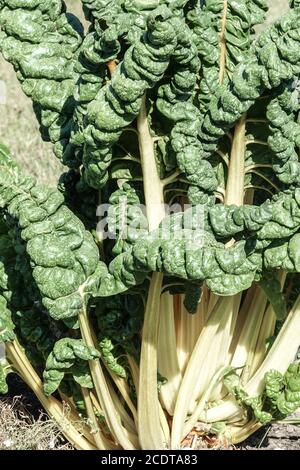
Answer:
(131, 321)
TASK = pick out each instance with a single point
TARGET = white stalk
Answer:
(217, 353)
(250, 332)
(193, 419)
(123, 388)
(135, 377)
(150, 432)
(207, 357)
(111, 416)
(167, 354)
(280, 356)
(124, 416)
(153, 186)
(236, 171)
(266, 331)
(242, 317)
(188, 328)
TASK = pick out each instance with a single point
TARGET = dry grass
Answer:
(19, 431)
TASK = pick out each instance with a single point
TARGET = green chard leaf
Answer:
(71, 256)
(69, 356)
(5, 369)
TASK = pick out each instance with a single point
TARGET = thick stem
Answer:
(150, 432)
(223, 42)
(192, 420)
(236, 171)
(282, 353)
(188, 328)
(218, 350)
(280, 356)
(242, 318)
(102, 390)
(266, 331)
(153, 186)
(257, 355)
(250, 333)
(167, 354)
(124, 416)
(208, 356)
(135, 373)
(149, 421)
(123, 388)
(95, 431)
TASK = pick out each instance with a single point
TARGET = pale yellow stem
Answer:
(280, 356)
(223, 42)
(150, 432)
(102, 390)
(135, 377)
(123, 388)
(236, 170)
(131, 429)
(266, 331)
(167, 354)
(193, 419)
(249, 334)
(188, 329)
(224, 338)
(153, 186)
(93, 423)
(207, 357)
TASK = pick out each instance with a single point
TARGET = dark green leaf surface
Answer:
(71, 257)
(69, 356)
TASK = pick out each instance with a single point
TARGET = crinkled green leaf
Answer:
(6, 324)
(107, 354)
(71, 256)
(232, 20)
(5, 369)
(272, 288)
(280, 398)
(69, 356)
